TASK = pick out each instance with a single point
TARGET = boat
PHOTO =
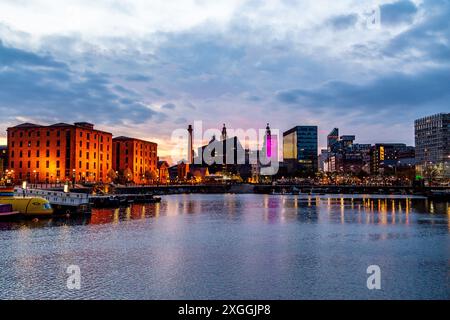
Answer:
(26, 206)
(6, 212)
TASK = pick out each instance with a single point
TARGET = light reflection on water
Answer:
(234, 246)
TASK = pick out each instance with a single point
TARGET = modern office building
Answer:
(135, 158)
(432, 137)
(332, 139)
(59, 153)
(386, 158)
(300, 150)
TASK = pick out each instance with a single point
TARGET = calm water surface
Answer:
(234, 247)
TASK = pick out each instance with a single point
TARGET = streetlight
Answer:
(73, 178)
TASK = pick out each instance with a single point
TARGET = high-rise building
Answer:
(59, 152)
(300, 150)
(136, 159)
(432, 135)
(332, 139)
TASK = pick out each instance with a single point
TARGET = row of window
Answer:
(58, 165)
(58, 144)
(58, 134)
(47, 164)
(145, 154)
(147, 161)
(38, 154)
(58, 154)
(38, 143)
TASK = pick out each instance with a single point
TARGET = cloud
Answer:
(424, 41)
(395, 92)
(42, 88)
(399, 12)
(156, 92)
(180, 120)
(138, 78)
(12, 56)
(168, 106)
(343, 21)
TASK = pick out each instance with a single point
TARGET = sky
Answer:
(146, 68)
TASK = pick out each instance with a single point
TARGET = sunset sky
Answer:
(145, 68)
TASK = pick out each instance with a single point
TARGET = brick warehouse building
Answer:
(59, 152)
(135, 159)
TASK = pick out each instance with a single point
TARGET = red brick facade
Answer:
(59, 153)
(135, 159)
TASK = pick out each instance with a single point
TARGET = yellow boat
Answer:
(27, 206)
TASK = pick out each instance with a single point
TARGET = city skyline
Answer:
(243, 63)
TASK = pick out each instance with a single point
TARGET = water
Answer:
(234, 247)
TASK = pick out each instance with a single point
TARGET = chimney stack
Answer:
(190, 145)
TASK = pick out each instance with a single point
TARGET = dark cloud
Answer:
(138, 78)
(12, 56)
(398, 12)
(42, 88)
(425, 37)
(393, 92)
(156, 92)
(343, 21)
(168, 106)
(180, 120)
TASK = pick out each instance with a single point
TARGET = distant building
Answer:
(332, 139)
(323, 160)
(432, 136)
(136, 158)
(3, 160)
(386, 158)
(163, 172)
(344, 155)
(300, 150)
(59, 152)
(182, 173)
(224, 156)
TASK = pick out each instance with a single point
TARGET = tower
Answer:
(224, 132)
(268, 142)
(190, 145)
